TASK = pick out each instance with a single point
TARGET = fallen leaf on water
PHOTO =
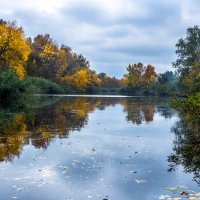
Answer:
(140, 181)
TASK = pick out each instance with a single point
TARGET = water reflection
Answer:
(41, 121)
(139, 111)
(14, 125)
(13, 137)
(186, 146)
(52, 147)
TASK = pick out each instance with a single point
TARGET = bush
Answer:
(10, 86)
(169, 88)
(92, 90)
(104, 90)
(43, 86)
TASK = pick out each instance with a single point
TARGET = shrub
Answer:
(10, 86)
(43, 86)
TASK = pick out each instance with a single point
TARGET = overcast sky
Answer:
(109, 33)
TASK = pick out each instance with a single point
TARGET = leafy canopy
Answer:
(14, 48)
(187, 50)
(139, 75)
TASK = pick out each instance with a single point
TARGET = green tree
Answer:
(10, 86)
(166, 77)
(187, 50)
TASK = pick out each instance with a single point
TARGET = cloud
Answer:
(110, 33)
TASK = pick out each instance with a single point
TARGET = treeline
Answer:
(141, 79)
(40, 65)
(186, 79)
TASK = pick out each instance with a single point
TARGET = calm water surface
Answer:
(116, 148)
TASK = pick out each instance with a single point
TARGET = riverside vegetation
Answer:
(40, 65)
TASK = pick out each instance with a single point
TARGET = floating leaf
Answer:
(140, 181)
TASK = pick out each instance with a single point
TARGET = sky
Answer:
(110, 33)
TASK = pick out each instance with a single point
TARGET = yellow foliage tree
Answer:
(81, 80)
(139, 75)
(49, 52)
(61, 63)
(14, 49)
(134, 77)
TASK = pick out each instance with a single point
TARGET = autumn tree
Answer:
(81, 80)
(42, 60)
(134, 76)
(150, 75)
(69, 62)
(61, 64)
(78, 62)
(109, 82)
(14, 48)
(50, 61)
(139, 75)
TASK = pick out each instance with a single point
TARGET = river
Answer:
(93, 147)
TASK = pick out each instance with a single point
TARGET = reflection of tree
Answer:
(59, 120)
(139, 110)
(186, 147)
(165, 112)
(13, 137)
(105, 102)
(45, 119)
(41, 124)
